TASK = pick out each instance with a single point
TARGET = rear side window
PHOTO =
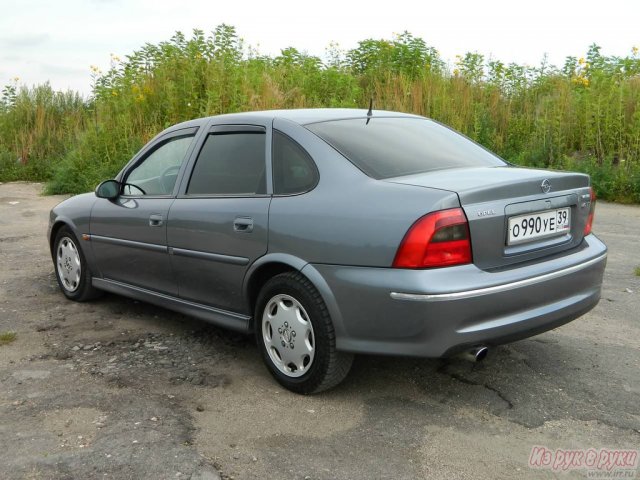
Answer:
(230, 164)
(293, 169)
(392, 147)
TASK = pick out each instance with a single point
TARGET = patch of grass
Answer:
(637, 271)
(7, 337)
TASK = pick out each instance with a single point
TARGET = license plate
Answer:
(533, 226)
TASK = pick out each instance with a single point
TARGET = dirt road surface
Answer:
(120, 389)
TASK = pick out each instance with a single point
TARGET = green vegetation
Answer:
(7, 337)
(583, 116)
(637, 271)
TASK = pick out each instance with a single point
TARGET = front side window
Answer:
(230, 164)
(293, 169)
(386, 147)
(158, 172)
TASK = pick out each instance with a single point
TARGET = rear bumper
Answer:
(433, 313)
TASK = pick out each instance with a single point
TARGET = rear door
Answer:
(218, 225)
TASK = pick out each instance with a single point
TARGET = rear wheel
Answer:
(296, 336)
(72, 271)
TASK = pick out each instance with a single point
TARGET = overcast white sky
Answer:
(58, 40)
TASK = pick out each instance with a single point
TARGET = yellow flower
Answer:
(584, 81)
(114, 93)
(16, 79)
(456, 72)
(634, 50)
(582, 61)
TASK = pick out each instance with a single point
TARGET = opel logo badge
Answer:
(545, 186)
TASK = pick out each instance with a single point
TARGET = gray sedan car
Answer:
(331, 232)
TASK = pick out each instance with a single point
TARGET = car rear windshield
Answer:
(387, 147)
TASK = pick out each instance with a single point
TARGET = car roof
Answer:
(302, 116)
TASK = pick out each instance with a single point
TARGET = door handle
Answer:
(243, 225)
(155, 220)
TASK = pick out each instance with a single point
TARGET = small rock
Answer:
(628, 290)
(200, 408)
(76, 348)
(87, 347)
(154, 419)
(206, 474)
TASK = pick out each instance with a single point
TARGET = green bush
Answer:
(583, 116)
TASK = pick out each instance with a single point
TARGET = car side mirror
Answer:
(109, 189)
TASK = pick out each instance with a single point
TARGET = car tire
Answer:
(72, 271)
(296, 336)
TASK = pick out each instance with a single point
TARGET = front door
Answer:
(218, 227)
(129, 234)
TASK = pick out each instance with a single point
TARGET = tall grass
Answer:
(584, 115)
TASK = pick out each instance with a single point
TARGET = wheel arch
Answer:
(59, 223)
(270, 265)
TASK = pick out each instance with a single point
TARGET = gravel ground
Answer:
(120, 389)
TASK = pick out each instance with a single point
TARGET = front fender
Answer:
(75, 213)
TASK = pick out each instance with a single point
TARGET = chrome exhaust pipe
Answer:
(476, 354)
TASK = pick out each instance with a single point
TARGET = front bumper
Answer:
(439, 312)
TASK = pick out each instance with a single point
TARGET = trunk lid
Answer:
(491, 196)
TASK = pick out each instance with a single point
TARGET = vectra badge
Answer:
(545, 186)
(484, 213)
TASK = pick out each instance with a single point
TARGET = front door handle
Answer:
(243, 225)
(155, 220)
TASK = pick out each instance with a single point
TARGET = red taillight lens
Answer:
(439, 239)
(587, 227)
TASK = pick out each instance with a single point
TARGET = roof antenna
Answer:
(370, 112)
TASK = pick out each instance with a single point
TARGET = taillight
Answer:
(439, 239)
(588, 226)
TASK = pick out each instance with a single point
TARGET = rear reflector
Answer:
(592, 210)
(439, 239)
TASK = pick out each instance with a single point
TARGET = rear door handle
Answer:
(243, 225)
(155, 220)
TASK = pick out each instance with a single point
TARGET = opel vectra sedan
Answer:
(332, 232)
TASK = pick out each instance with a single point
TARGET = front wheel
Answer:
(296, 336)
(71, 267)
